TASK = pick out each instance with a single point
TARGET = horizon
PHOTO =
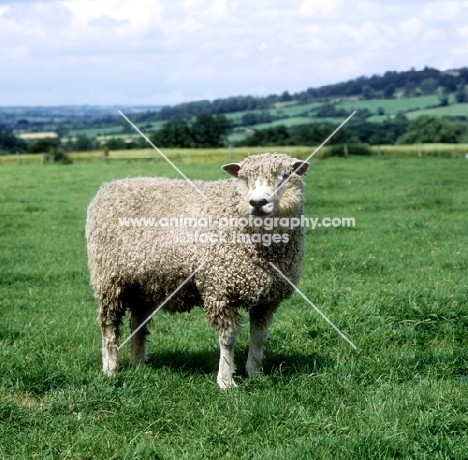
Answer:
(141, 107)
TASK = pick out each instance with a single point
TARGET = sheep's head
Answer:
(268, 184)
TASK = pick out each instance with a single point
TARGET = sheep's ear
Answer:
(232, 169)
(303, 167)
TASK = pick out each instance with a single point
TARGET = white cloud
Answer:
(317, 8)
(314, 28)
(217, 10)
(192, 4)
(446, 11)
(432, 34)
(462, 32)
(129, 17)
(412, 27)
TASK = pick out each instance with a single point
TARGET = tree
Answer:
(277, 135)
(367, 92)
(329, 110)
(410, 89)
(206, 131)
(315, 134)
(173, 134)
(209, 131)
(443, 98)
(429, 85)
(83, 143)
(461, 94)
(249, 119)
(42, 146)
(9, 143)
(428, 128)
(389, 91)
(286, 97)
(115, 143)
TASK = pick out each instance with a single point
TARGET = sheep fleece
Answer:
(139, 267)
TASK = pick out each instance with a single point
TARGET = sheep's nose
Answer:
(258, 203)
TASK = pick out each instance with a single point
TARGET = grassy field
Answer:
(391, 106)
(237, 153)
(396, 284)
(446, 111)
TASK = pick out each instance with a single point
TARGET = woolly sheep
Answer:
(137, 267)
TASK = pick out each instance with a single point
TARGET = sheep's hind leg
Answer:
(258, 337)
(110, 321)
(138, 346)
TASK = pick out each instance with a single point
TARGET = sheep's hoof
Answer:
(109, 369)
(252, 369)
(109, 372)
(226, 382)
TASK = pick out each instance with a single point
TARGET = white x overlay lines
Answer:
(162, 305)
(315, 151)
(162, 154)
(273, 265)
(312, 305)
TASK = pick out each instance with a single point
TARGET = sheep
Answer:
(137, 267)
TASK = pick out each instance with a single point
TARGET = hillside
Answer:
(377, 99)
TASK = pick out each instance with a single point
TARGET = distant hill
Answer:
(390, 100)
(388, 86)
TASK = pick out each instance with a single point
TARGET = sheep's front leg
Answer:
(225, 319)
(226, 361)
(258, 336)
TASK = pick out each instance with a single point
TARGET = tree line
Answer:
(208, 131)
(399, 130)
(409, 83)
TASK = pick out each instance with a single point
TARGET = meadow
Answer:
(209, 155)
(396, 284)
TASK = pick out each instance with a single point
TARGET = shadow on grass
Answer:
(206, 362)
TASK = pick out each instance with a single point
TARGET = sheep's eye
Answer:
(284, 176)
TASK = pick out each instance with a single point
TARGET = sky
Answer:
(155, 52)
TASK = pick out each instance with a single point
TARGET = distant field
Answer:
(300, 114)
(450, 110)
(396, 284)
(236, 154)
(92, 132)
(293, 121)
(423, 150)
(114, 131)
(299, 109)
(391, 106)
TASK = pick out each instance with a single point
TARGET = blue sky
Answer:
(57, 52)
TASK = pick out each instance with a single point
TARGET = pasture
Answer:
(396, 284)
(223, 154)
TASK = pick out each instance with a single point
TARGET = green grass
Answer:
(396, 284)
(446, 111)
(422, 150)
(391, 106)
(236, 154)
(115, 131)
(92, 132)
(293, 121)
